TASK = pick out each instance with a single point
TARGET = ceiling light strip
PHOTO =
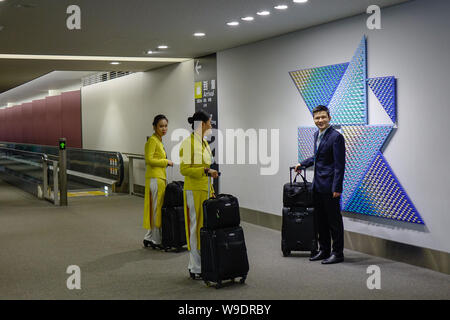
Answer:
(89, 58)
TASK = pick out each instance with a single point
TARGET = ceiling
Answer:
(128, 28)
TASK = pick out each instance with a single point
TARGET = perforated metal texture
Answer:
(362, 144)
(317, 85)
(385, 89)
(370, 186)
(381, 194)
(348, 105)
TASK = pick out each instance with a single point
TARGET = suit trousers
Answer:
(329, 222)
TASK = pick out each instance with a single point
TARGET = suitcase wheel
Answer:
(208, 284)
(286, 253)
(218, 285)
(242, 281)
(284, 249)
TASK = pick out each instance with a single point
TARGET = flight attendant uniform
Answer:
(195, 156)
(155, 186)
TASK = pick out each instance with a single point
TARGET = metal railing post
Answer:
(62, 172)
(55, 183)
(45, 178)
(130, 175)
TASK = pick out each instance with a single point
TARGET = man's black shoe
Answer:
(320, 256)
(334, 258)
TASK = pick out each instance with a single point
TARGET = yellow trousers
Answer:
(193, 215)
(149, 220)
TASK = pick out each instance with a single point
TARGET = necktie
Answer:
(319, 139)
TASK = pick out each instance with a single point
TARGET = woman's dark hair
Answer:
(158, 118)
(200, 115)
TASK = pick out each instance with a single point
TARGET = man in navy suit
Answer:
(329, 166)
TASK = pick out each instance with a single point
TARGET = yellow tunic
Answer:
(195, 156)
(156, 163)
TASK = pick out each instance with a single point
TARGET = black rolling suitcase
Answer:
(223, 255)
(223, 250)
(173, 224)
(298, 231)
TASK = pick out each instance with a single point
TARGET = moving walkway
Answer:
(36, 169)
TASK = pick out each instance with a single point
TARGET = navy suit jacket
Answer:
(328, 161)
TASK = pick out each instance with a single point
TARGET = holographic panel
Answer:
(317, 85)
(381, 194)
(305, 142)
(362, 143)
(385, 89)
(349, 103)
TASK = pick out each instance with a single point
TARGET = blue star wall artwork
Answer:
(370, 185)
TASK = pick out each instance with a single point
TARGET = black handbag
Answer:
(298, 194)
(221, 212)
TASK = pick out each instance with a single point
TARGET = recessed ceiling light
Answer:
(149, 52)
(300, 1)
(115, 62)
(26, 6)
(199, 34)
(233, 23)
(281, 7)
(263, 13)
(163, 47)
(249, 18)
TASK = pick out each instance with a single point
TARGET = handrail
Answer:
(131, 157)
(134, 155)
(55, 147)
(42, 155)
(44, 158)
(81, 160)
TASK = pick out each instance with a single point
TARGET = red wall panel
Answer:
(71, 118)
(14, 120)
(27, 118)
(9, 119)
(2, 124)
(19, 124)
(39, 121)
(44, 121)
(53, 120)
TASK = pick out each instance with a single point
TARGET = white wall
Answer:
(255, 91)
(118, 114)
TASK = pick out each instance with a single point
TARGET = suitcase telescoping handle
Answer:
(209, 184)
(298, 174)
